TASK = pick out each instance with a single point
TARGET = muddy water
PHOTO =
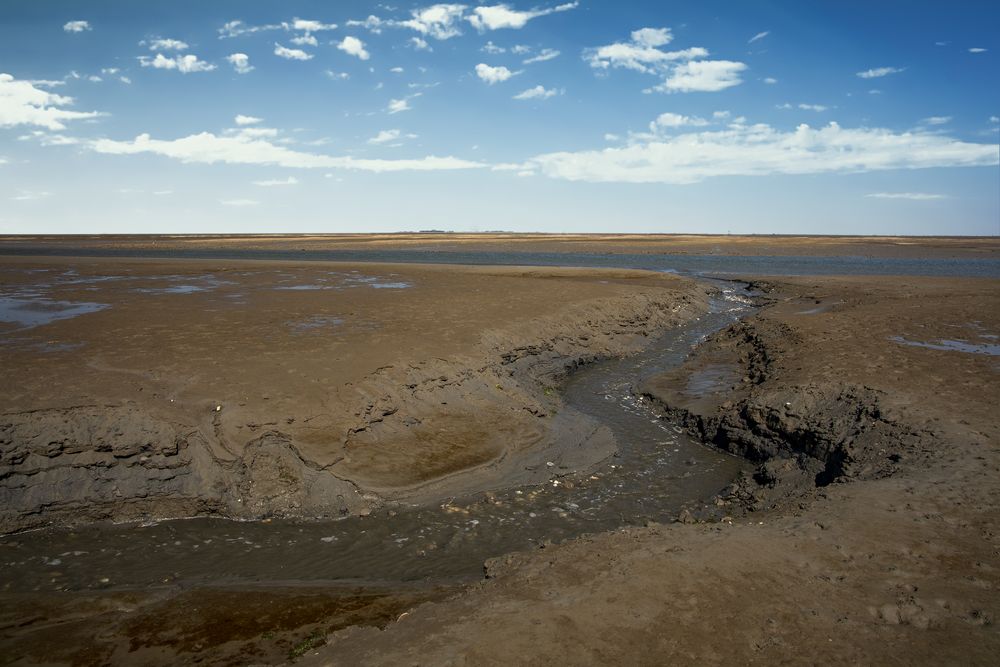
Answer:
(657, 471)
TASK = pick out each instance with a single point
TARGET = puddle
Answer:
(390, 285)
(29, 313)
(317, 322)
(304, 287)
(711, 379)
(991, 349)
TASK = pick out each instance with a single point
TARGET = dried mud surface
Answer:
(868, 534)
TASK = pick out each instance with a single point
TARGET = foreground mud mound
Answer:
(250, 391)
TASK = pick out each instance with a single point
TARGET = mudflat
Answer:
(869, 532)
(255, 389)
(867, 529)
(695, 244)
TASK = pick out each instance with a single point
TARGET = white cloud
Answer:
(305, 40)
(397, 106)
(397, 70)
(770, 81)
(914, 196)
(354, 46)
(239, 202)
(76, 26)
(21, 103)
(389, 136)
(756, 150)
(247, 120)
(437, 21)
(681, 71)
(291, 54)
(758, 36)
(93, 78)
(311, 26)
(110, 71)
(538, 93)
(167, 45)
(372, 23)
(936, 120)
(419, 44)
(492, 48)
(184, 64)
(995, 119)
(978, 49)
(878, 72)
(652, 37)
(670, 119)
(503, 16)
(543, 55)
(239, 28)
(520, 49)
(240, 62)
(208, 148)
(337, 76)
(812, 107)
(703, 75)
(31, 195)
(277, 182)
(493, 75)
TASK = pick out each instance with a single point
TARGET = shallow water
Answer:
(657, 471)
(31, 311)
(700, 265)
(946, 345)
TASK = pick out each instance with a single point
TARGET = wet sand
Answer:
(868, 533)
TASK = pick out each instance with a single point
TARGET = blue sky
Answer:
(589, 116)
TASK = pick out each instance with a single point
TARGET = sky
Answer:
(760, 117)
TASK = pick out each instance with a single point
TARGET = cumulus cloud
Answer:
(977, 49)
(290, 54)
(354, 46)
(372, 23)
(493, 75)
(682, 71)
(183, 64)
(239, 28)
(247, 120)
(879, 72)
(670, 119)
(702, 75)
(419, 44)
(389, 137)
(759, 36)
(756, 150)
(21, 103)
(208, 148)
(437, 21)
(305, 40)
(76, 26)
(277, 182)
(240, 62)
(543, 55)
(167, 45)
(306, 25)
(538, 93)
(913, 196)
(812, 107)
(501, 16)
